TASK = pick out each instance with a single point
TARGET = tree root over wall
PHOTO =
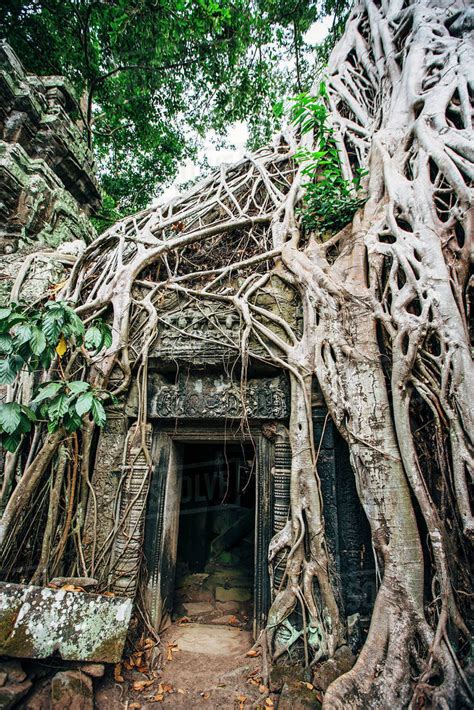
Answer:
(384, 331)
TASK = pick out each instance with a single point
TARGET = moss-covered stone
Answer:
(36, 622)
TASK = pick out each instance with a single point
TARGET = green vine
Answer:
(330, 200)
(30, 341)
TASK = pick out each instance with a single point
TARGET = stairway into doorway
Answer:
(215, 559)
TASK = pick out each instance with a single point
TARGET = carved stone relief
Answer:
(128, 544)
(198, 336)
(281, 495)
(217, 396)
(105, 481)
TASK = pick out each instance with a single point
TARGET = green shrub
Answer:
(330, 200)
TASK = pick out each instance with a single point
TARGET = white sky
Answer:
(237, 135)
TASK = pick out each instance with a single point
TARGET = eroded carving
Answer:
(217, 396)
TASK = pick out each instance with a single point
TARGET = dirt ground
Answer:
(203, 665)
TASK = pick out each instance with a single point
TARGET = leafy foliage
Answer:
(154, 75)
(65, 403)
(330, 200)
(15, 420)
(31, 341)
(108, 213)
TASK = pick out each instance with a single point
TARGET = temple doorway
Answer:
(215, 558)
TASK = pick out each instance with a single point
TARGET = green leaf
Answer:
(11, 442)
(58, 407)
(106, 331)
(93, 338)
(47, 391)
(84, 403)
(38, 340)
(53, 426)
(72, 421)
(27, 411)
(25, 424)
(22, 334)
(45, 358)
(77, 326)
(10, 415)
(5, 313)
(278, 109)
(98, 412)
(52, 325)
(9, 368)
(78, 386)
(6, 344)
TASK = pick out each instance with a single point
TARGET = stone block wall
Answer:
(47, 182)
(48, 187)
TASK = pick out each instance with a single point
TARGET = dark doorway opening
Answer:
(216, 538)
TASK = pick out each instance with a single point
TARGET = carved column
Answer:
(281, 495)
(127, 549)
(105, 479)
(263, 531)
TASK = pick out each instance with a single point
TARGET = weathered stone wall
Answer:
(48, 187)
(47, 183)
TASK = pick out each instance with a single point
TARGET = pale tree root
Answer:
(307, 562)
(399, 647)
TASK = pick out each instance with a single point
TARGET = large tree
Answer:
(153, 77)
(385, 332)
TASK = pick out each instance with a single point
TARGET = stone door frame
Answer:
(162, 516)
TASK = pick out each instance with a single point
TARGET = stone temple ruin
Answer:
(195, 532)
(219, 490)
(188, 460)
(48, 187)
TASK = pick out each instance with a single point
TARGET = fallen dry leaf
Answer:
(268, 702)
(263, 688)
(168, 688)
(71, 588)
(181, 691)
(54, 288)
(252, 653)
(310, 686)
(134, 706)
(160, 694)
(171, 647)
(141, 684)
(233, 621)
(254, 677)
(118, 677)
(109, 594)
(241, 700)
(184, 620)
